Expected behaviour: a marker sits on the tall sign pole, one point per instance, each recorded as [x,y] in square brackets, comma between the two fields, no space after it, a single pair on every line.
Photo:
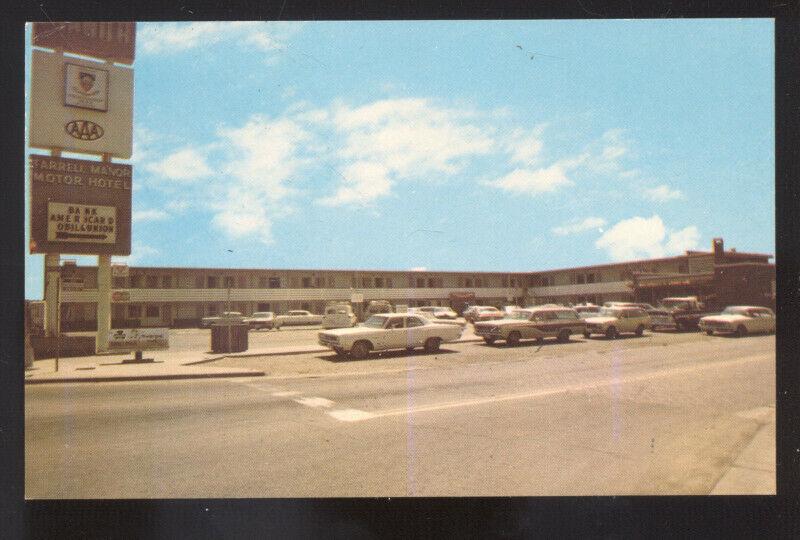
[84,106]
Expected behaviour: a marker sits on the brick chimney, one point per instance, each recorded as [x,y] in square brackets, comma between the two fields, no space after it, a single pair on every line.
[718,248]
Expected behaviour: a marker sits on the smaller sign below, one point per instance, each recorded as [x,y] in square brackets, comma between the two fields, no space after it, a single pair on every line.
[138,339]
[72,222]
[119,270]
[120,296]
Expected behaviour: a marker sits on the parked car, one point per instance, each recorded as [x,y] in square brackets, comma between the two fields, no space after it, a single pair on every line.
[482,313]
[587,310]
[508,310]
[263,320]
[532,323]
[613,321]
[439,312]
[377,306]
[681,313]
[339,316]
[739,320]
[227,316]
[297,317]
[389,331]
[428,315]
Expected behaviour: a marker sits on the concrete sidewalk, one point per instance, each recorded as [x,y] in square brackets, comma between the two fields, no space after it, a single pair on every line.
[167,365]
[753,470]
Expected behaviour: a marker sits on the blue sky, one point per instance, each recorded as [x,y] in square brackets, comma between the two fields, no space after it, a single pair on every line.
[447,145]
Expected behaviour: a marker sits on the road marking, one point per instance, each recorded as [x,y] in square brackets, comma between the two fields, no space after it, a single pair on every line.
[285,394]
[354,415]
[315,402]
[351,415]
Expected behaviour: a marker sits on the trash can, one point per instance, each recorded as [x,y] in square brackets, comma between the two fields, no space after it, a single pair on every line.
[228,338]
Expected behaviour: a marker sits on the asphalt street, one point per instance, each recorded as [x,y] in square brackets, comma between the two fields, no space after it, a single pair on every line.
[661,414]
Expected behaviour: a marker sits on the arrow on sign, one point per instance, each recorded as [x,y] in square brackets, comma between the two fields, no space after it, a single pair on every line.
[67,235]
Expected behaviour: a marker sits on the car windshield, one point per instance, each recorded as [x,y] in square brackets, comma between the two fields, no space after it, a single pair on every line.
[375,322]
[486,309]
[521,314]
[734,311]
[262,314]
[680,304]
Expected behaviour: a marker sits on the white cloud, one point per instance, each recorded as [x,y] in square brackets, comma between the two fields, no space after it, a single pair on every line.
[262,157]
[662,193]
[533,182]
[579,226]
[152,214]
[363,183]
[682,240]
[397,139]
[186,165]
[640,237]
[419,269]
[526,147]
[173,37]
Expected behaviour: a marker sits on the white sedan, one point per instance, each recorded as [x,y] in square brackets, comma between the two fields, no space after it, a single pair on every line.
[739,320]
[298,317]
[388,331]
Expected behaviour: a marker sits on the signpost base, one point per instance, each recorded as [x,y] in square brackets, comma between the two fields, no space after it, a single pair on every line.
[137,359]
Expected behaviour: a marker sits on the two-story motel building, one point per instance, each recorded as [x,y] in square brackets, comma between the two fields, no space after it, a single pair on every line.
[180,297]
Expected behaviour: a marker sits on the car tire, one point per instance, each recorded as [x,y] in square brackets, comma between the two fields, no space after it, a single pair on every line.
[432,344]
[741,331]
[563,336]
[410,349]
[709,332]
[489,340]
[611,332]
[639,330]
[339,351]
[513,338]
[360,349]
[586,334]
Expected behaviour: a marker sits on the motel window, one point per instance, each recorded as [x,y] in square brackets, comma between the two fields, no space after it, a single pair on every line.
[198,282]
[330,281]
[306,282]
[151,311]
[242,282]
[262,283]
[581,279]
[366,282]
[478,282]
[379,283]
[136,282]
[513,282]
[388,283]
[274,283]
[353,282]
[134,312]
[682,268]
[590,278]
[431,284]
[211,282]
[504,282]
[317,282]
[229,282]
[152,282]
[305,306]
[420,283]
[468,282]
[263,306]
[166,282]
[212,310]
[118,283]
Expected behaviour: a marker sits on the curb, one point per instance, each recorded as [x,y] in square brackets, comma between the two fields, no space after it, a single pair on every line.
[288,353]
[167,377]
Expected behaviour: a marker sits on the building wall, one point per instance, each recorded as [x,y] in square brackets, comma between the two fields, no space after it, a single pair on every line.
[182,296]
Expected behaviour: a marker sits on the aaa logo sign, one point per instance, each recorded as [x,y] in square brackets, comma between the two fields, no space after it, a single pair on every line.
[81,223]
